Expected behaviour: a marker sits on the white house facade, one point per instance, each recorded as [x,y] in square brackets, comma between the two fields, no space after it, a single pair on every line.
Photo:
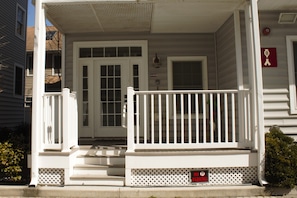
[166,93]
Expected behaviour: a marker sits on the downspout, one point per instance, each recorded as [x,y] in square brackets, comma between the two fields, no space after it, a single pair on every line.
[258,91]
[38,89]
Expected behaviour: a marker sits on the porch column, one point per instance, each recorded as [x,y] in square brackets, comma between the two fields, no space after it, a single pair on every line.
[255,73]
[38,89]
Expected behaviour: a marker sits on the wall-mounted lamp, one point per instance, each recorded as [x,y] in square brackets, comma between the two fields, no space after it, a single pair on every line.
[156,61]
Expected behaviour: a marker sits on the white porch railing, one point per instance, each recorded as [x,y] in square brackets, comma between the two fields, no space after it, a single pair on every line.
[188,119]
[60,121]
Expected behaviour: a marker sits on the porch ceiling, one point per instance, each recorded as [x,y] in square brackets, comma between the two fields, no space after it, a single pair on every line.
[152,16]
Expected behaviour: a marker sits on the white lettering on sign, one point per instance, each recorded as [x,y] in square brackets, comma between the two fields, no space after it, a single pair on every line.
[267,54]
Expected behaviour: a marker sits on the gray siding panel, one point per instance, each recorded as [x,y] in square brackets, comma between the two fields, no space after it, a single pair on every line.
[226,57]
[11,107]
[164,45]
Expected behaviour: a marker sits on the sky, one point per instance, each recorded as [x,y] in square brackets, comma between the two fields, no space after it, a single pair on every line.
[30,15]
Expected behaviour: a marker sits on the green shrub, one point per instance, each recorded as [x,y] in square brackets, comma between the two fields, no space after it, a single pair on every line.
[10,159]
[280,159]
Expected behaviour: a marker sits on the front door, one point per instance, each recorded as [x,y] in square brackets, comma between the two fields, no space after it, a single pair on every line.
[111,79]
[102,89]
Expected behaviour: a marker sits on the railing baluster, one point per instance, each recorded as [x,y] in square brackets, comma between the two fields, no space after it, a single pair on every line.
[211,117]
[182,123]
[160,117]
[226,117]
[174,119]
[167,119]
[189,119]
[197,117]
[204,117]
[60,118]
[233,119]
[145,118]
[137,119]
[218,122]
[152,120]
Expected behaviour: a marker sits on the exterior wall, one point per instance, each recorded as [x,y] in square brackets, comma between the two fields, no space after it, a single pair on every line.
[11,106]
[275,79]
[226,57]
[164,45]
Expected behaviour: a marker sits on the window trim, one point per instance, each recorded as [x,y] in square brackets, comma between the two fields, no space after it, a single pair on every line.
[14,81]
[18,6]
[170,61]
[291,73]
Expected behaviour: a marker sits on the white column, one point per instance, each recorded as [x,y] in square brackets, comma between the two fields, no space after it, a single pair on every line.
[38,89]
[258,90]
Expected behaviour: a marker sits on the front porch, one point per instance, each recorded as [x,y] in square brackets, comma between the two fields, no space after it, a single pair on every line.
[169,133]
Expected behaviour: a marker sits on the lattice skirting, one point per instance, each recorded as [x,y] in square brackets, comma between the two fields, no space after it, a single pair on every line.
[181,177]
[51,176]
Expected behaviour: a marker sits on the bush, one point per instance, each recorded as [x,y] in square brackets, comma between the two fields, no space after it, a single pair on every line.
[10,159]
[280,159]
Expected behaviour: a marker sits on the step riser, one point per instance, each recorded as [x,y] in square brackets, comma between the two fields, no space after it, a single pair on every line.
[97,183]
[94,152]
[100,160]
[106,172]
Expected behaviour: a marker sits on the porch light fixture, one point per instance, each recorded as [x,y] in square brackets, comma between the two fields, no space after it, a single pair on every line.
[156,61]
[287,18]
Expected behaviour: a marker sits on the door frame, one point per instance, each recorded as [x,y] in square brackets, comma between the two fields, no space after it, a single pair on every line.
[91,44]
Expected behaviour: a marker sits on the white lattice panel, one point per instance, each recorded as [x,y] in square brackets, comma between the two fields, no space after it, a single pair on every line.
[181,177]
[51,176]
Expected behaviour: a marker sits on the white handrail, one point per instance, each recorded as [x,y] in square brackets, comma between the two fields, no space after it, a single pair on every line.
[189,119]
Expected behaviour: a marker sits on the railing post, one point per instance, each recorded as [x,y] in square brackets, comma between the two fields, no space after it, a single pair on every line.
[130,119]
[65,119]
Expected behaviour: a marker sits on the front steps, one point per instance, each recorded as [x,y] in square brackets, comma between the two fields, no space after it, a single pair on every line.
[99,165]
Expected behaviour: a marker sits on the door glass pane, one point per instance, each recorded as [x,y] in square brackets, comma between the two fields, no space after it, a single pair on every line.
[135,51]
[110,52]
[98,52]
[123,51]
[85,96]
[85,52]
[111,95]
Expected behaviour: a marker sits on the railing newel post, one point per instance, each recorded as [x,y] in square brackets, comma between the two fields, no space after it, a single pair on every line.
[130,119]
[65,118]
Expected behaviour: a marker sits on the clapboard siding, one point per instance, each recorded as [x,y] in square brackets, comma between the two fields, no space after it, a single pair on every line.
[226,57]
[11,107]
[164,45]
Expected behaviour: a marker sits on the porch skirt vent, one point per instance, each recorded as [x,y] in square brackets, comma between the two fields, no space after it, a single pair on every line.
[51,176]
[181,177]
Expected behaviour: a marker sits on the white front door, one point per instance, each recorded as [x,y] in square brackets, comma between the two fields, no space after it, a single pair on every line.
[102,72]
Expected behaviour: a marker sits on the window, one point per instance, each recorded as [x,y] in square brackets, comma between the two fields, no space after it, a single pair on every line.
[187,73]
[50,35]
[292,71]
[18,80]
[56,69]
[20,22]
[28,101]
[29,65]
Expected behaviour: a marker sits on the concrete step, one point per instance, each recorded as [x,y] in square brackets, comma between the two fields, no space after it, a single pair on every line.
[97,180]
[102,150]
[99,170]
[103,160]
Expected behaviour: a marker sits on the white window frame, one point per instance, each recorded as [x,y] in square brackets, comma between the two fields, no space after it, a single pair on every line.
[27,69]
[291,73]
[172,59]
[21,36]
[14,81]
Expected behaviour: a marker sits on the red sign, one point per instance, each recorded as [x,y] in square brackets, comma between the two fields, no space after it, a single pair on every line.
[268,57]
[199,176]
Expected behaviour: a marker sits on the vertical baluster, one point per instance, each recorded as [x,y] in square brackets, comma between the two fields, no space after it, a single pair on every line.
[204,117]
[152,120]
[52,118]
[160,118]
[211,117]
[248,107]
[182,117]
[137,118]
[189,119]
[174,119]
[197,117]
[226,116]
[218,122]
[167,119]
[60,118]
[233,119]
[145,118]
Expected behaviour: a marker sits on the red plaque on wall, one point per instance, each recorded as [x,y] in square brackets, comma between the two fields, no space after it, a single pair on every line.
[268,57]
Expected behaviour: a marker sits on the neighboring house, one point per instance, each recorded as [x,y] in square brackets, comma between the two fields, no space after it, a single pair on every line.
[190,86]
[52,65]
[13,22]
